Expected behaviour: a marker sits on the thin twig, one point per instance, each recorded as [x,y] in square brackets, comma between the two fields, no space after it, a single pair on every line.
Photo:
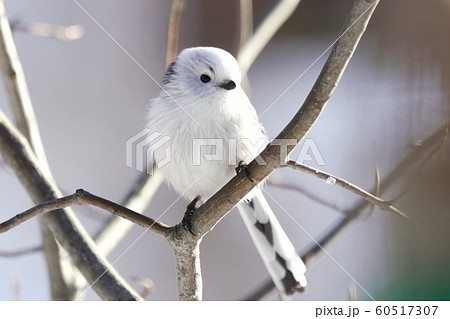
[86,198]
[81,197]
[245,22]
[439,138]
[45,30]
[377,189]
[302,191]
[174,28]
[334,180]
[20,252]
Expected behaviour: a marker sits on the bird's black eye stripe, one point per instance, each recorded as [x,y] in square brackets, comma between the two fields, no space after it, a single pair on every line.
[205,78]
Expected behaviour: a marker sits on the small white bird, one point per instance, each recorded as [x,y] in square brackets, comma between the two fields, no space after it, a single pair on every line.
[213,128]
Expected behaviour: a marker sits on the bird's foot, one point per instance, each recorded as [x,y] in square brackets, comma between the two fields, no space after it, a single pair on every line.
[242,168]
[187,219]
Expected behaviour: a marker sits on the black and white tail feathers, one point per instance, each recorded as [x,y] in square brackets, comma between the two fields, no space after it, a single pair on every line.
[279,255]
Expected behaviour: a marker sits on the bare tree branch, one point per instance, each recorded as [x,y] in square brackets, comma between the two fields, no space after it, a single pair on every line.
[20,252]
[210,213]
[66,228]
[174,27]
[334,180]
[302,191]
[148,285]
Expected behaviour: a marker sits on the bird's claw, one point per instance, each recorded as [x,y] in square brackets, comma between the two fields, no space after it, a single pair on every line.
[242,168]
[187,218]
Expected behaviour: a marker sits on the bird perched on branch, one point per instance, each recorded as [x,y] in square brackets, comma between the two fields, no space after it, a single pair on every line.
[211,131]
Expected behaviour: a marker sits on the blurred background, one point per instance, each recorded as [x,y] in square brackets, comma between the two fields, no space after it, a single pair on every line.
[90,97]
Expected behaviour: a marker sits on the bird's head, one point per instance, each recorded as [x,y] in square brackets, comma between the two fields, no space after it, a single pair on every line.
[202,72]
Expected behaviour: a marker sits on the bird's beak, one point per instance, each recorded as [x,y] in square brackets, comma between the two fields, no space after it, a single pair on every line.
[229,85]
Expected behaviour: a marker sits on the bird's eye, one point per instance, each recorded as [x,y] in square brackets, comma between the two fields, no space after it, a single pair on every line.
[205,78]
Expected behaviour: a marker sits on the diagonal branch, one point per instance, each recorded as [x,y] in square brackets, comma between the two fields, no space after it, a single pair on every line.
[45,30]
[82,197]
[334,180]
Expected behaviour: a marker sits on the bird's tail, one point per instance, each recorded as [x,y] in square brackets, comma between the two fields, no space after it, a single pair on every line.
[280,258]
